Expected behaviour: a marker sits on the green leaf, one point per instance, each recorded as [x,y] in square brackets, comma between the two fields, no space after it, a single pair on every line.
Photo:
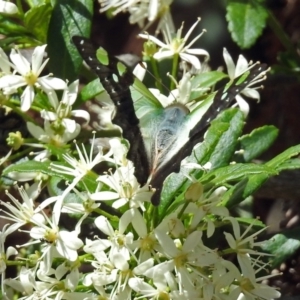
[142,96]
[282,246]
[10,28]
[37,21]
[28,167]
[228,140]
[277,161]
[290,164]
[69,18]
[237,172]
[90,91]
[208,79]
[244,188]
[217,148]
[258,141]
[246,20]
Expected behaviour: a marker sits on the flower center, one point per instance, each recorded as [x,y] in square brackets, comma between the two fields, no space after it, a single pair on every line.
[180,260]
[246,284]
[176,43]
[51,236]
[147,244]
[30,78]
[127,190]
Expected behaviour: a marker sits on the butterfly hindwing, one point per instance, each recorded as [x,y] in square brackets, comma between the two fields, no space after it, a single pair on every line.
[221,101]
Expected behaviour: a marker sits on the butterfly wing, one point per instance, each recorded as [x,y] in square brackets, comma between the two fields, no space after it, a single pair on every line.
[119,93]
[222,100]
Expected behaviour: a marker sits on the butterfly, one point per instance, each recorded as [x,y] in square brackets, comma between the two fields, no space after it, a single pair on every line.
[170,141]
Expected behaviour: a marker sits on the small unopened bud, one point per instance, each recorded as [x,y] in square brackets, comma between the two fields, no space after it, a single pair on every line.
[15,140]
[149,49]
[194,192]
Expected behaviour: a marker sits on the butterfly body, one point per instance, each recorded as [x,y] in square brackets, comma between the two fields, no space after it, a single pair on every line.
[171,136]
[167,133]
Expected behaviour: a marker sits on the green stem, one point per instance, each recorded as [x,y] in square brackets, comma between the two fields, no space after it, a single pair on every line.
[25,116]
[174,70]
[107,215]
[20,154]
[156,73]
[20,8]
[183,209]
[282,36]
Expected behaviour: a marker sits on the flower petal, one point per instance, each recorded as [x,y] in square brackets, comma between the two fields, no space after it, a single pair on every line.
[27,98]
[22,65]
[8,8]
[37,58]
[48,83]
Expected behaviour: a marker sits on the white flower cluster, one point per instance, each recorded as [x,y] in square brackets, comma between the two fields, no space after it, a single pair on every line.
[140,11]
[58,127]
[134,259]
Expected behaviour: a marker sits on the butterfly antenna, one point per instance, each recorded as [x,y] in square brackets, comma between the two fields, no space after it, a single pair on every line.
[141,63]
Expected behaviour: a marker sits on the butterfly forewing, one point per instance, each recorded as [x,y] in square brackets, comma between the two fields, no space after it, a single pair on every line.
[119,92]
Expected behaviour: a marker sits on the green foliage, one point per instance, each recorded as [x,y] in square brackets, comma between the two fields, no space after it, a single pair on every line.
[282,246]
[69,18]
[246,20]
[258,141]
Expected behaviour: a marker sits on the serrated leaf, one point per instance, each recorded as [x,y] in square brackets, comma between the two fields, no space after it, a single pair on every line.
[282,246]
[258,141]
[37,21]
[291,164]
[69,18]
[246,20]
[227,142]
[283,157]
[244,188]
[238,172]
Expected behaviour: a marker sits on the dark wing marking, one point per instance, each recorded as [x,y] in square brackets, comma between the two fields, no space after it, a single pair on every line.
[221,101]
[119,92]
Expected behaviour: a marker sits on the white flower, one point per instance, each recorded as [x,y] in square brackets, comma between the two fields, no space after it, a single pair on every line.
[234,71]
[64,242]
[206,206]
[245,288]
[8,8]
[146,244]
[49,136]
[80,167]
[118,240]
[85,207]
[177,45]
[183,258]
[244,246]
[22,213]
[126,188]
[6,230]
[29,76]
[63,109]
